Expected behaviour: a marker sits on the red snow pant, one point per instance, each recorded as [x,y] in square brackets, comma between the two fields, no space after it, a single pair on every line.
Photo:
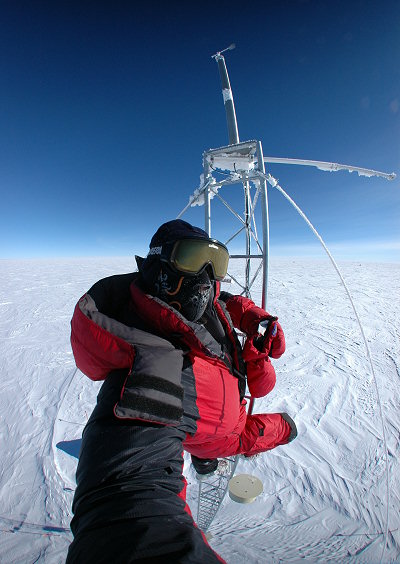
[254,434]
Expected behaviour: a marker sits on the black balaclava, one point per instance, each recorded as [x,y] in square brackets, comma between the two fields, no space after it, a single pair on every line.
[187,294]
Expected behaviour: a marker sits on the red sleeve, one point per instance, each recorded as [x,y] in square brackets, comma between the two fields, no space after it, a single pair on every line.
[261,376]
[97,351]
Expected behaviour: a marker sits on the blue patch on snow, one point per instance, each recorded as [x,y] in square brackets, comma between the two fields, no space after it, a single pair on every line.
[70,447]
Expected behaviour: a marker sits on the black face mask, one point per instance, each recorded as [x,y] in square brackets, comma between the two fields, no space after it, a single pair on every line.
[187,294]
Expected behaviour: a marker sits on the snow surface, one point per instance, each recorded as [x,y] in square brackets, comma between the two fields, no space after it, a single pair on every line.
[325,497]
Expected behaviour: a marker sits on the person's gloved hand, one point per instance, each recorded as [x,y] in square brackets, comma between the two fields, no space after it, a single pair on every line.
[271,339]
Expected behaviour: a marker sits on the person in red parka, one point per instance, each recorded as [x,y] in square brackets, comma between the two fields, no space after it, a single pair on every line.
[164,341]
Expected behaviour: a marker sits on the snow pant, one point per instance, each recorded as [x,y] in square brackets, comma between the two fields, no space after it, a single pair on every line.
[263,432]
[254,434]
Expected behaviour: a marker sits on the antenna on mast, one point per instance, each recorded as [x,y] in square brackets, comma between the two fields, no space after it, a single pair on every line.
[233,133]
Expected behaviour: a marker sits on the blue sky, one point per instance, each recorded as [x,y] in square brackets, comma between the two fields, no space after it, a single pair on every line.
[106,109]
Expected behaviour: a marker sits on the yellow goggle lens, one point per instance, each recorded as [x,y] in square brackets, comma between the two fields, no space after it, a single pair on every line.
[192,255]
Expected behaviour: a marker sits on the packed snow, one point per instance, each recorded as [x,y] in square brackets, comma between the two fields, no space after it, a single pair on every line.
[325,495]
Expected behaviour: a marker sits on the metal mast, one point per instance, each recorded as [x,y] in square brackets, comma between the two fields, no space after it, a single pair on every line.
[236,163]
[237,160]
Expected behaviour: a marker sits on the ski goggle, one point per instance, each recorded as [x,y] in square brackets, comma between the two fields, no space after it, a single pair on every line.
[191,256]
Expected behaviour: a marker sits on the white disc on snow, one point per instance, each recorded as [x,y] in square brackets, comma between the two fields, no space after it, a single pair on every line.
[244,488]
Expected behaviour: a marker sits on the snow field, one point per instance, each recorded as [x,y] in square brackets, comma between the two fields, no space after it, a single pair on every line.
[324,497]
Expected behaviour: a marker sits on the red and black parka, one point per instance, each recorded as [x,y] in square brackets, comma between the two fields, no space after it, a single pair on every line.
[168,384]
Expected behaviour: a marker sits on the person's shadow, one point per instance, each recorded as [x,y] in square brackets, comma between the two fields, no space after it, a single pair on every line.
[70,447]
